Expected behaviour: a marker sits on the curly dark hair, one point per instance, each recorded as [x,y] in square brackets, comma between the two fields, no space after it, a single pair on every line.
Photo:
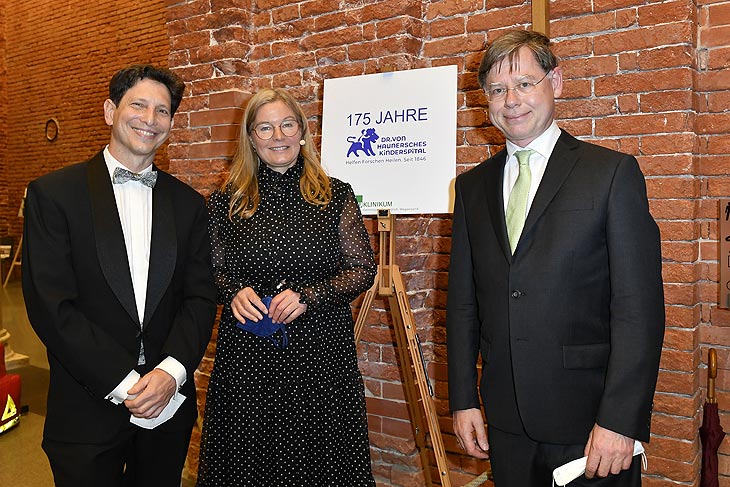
[127,77]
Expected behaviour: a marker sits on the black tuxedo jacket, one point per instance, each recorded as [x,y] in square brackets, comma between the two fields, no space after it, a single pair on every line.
[570,327]
[80,301]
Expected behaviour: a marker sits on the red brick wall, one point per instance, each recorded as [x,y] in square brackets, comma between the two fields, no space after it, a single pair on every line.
[645,77]
[712,127]
[649,78]
[59,57]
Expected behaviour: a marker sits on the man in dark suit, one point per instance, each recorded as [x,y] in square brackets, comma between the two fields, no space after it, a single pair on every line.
[118,285]
[555,277]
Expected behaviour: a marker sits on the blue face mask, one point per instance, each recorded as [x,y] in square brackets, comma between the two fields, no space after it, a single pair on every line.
[265,328]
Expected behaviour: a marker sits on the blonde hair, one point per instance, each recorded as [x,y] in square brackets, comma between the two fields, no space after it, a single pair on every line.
[242,183]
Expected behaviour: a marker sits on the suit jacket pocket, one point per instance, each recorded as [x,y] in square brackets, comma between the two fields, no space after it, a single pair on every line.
[588,356]
[570,204]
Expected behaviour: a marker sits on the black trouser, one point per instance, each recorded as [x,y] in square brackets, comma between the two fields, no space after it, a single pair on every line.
[136,458]
[518,461]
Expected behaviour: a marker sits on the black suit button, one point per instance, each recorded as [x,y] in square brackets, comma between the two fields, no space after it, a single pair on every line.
[516,294]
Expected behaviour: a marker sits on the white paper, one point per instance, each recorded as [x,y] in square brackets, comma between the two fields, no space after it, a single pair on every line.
[166,414]
[572,470]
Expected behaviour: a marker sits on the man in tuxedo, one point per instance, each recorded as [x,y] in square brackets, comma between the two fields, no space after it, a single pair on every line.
[118,285]
[555,277]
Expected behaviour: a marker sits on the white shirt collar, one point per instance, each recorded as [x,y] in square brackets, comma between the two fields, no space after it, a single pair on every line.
[543,144]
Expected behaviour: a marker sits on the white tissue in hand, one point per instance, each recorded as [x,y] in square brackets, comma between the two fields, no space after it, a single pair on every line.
[572,470]
[166,414]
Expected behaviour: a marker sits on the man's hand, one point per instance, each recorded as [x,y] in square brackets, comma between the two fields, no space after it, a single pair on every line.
[470,432]
[608,452]
[151,393]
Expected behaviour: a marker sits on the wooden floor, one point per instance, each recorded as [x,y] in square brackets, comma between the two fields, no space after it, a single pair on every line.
[22,461]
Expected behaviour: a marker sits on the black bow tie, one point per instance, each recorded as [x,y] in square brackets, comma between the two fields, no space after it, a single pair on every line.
[122,175]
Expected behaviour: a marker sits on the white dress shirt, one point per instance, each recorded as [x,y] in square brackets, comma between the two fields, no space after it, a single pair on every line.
[134,204]
[543,147]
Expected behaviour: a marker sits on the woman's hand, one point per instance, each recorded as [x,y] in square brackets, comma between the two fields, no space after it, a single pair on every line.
[247,306]
[285,307]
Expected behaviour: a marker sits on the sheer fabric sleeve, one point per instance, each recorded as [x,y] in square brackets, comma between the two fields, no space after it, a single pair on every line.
[357,267]
[218,212]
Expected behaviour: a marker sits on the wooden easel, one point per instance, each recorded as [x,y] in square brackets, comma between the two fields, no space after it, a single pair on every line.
[17,255]
[15,262]
[389,283]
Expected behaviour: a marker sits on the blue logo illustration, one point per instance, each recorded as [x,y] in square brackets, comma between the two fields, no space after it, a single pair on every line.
[363,142]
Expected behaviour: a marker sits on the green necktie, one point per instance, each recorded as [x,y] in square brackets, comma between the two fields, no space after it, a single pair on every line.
[517,203]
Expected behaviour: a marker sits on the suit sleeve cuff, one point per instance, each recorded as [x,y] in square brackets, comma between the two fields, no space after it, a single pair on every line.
[119,394]
[175,369]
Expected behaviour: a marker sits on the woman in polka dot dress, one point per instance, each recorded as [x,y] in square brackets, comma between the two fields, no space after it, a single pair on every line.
[281,227]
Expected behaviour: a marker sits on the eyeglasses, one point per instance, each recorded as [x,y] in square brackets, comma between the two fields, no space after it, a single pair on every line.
[265,131]
[523,88]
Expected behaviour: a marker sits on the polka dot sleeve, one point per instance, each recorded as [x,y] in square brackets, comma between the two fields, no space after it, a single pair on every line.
[218,215]
[357,264]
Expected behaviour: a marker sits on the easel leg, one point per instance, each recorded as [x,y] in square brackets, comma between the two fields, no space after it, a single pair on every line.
[367,302]
[409,386]
[16,261]
[389,282]
[409,351]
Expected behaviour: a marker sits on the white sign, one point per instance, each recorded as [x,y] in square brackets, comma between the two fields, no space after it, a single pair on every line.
[392,136]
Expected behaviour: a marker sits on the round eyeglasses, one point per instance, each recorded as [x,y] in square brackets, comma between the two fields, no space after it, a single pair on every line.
[265,131]
[498,92]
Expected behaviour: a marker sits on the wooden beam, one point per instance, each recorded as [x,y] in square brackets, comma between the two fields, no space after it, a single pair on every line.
[541,16]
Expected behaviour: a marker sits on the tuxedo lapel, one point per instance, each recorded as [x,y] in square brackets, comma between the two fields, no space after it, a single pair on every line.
[495,201]
[109,237]
[163,247]
[559,166]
